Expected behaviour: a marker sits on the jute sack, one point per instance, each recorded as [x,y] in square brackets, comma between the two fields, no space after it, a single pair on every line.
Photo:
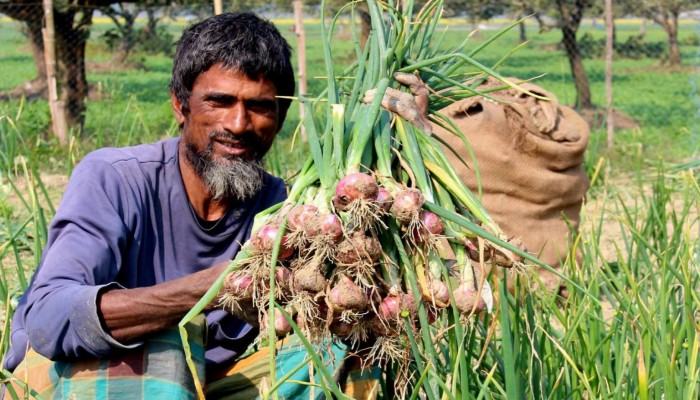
[529,154]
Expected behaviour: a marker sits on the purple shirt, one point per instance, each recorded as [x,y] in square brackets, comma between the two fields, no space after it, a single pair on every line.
[125,221]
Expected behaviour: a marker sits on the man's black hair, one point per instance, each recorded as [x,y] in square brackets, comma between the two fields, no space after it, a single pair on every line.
[242,41]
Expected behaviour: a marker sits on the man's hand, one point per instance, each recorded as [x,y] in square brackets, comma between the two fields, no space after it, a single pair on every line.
[130,314]
[412,107]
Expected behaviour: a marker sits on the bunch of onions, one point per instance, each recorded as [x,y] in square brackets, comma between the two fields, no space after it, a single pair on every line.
[375,203]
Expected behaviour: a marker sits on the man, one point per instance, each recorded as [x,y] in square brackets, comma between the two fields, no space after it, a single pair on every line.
[143,232]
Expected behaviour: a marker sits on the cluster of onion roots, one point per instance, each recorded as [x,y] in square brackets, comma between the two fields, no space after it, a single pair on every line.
[333,276]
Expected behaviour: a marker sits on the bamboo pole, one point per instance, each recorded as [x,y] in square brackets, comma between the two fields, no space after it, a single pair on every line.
[218,7]
[301,57]
[610,121]
[56,107]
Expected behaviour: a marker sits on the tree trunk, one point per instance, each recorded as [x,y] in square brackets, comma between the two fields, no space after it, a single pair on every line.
[668,19]
[151,27]
[71,41]
[128,41]
[523,29]
[571,15]
[583,90]
[32,18]
[124,20]
[674,51]
[36,41]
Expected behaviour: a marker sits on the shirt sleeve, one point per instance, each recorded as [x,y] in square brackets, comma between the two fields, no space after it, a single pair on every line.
[82,258]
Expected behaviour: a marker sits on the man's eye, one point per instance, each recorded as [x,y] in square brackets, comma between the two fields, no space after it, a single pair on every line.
[221,102]
[262,107]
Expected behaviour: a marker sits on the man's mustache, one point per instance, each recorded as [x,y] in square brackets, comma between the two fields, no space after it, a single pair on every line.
[248,139]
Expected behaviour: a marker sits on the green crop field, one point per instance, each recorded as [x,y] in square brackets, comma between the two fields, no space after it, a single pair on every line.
[638,336]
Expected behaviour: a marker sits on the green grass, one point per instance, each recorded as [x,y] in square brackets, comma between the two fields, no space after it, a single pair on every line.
[639,339]
[132,106]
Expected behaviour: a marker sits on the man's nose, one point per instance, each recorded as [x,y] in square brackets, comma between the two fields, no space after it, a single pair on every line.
[236,120]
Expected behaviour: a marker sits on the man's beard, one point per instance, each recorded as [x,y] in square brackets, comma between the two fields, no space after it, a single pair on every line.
[233,179]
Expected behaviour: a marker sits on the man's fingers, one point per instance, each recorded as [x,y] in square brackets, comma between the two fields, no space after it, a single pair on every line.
[403,104]
[413,82]
[369,96]
[417,87]
[393,99]
[407,79]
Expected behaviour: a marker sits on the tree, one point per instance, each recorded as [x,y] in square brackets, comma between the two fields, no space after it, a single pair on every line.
[477,10]
[31,15]
[124,19]
[73,21]
[664,13]
[123,38]
[522,9]
[570,16]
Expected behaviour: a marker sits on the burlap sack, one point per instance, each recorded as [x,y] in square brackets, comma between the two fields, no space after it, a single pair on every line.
[530,156]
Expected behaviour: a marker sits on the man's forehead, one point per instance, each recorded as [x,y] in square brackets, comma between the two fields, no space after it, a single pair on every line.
[219,77]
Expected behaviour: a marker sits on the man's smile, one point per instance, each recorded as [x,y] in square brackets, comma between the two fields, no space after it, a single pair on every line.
[231,145]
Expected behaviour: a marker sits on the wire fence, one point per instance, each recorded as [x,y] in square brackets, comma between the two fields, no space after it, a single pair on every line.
[122,55]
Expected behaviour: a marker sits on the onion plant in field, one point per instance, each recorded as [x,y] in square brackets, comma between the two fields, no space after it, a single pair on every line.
[25,211]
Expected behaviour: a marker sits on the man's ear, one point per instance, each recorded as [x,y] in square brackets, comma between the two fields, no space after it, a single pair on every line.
[177,109]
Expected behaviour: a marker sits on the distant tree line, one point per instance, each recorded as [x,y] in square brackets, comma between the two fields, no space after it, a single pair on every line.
[73,21]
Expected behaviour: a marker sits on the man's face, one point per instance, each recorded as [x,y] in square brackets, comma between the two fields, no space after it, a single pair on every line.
[231,123]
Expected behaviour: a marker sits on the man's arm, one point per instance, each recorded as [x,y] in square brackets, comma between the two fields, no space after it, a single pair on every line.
[74,307]
[130,314]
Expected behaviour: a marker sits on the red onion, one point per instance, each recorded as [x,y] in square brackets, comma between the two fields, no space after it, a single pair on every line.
[380,328]
[406,205]
[358,248]
[309,279]
[340,328]
[393,307]
[246,311]
[353,187]
[440,291]
[264,240]
[390,309]
[384,199]
[408,304]
[283,277]
[328,225]
[346,295]
[239,284]
[430,224]
[466,297]
[299,216]
[281,325]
